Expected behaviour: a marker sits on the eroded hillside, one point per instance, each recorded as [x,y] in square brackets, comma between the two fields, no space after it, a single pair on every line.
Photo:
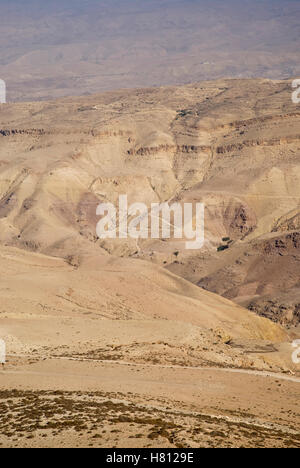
[129,342]
[233,145]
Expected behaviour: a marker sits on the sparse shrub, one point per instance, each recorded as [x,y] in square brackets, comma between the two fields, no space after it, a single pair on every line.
[222,247]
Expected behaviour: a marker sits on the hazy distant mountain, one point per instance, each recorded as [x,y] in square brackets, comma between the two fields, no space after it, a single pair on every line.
[55,48]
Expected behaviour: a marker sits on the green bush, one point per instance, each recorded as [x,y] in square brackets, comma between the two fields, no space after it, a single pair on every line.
[222,247]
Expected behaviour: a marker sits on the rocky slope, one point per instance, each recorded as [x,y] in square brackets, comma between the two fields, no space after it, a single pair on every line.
[140,342]
[232,144]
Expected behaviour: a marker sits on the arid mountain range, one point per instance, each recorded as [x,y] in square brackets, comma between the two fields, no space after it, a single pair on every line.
[123,342]
[56,48]
[233,145]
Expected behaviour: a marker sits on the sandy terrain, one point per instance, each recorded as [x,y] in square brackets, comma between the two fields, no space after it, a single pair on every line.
[144,343]
[105,405]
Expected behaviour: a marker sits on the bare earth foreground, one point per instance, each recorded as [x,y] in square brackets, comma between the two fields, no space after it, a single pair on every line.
[119,343]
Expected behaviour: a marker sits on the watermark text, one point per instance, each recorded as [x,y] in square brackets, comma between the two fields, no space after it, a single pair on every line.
[296,93]
[296,353]
[2,352]
[2,92]
[162,220]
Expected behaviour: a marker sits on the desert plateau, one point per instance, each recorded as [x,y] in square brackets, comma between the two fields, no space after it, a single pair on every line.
[141,342]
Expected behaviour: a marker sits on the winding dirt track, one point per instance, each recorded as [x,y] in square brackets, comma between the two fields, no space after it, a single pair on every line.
[161,366]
